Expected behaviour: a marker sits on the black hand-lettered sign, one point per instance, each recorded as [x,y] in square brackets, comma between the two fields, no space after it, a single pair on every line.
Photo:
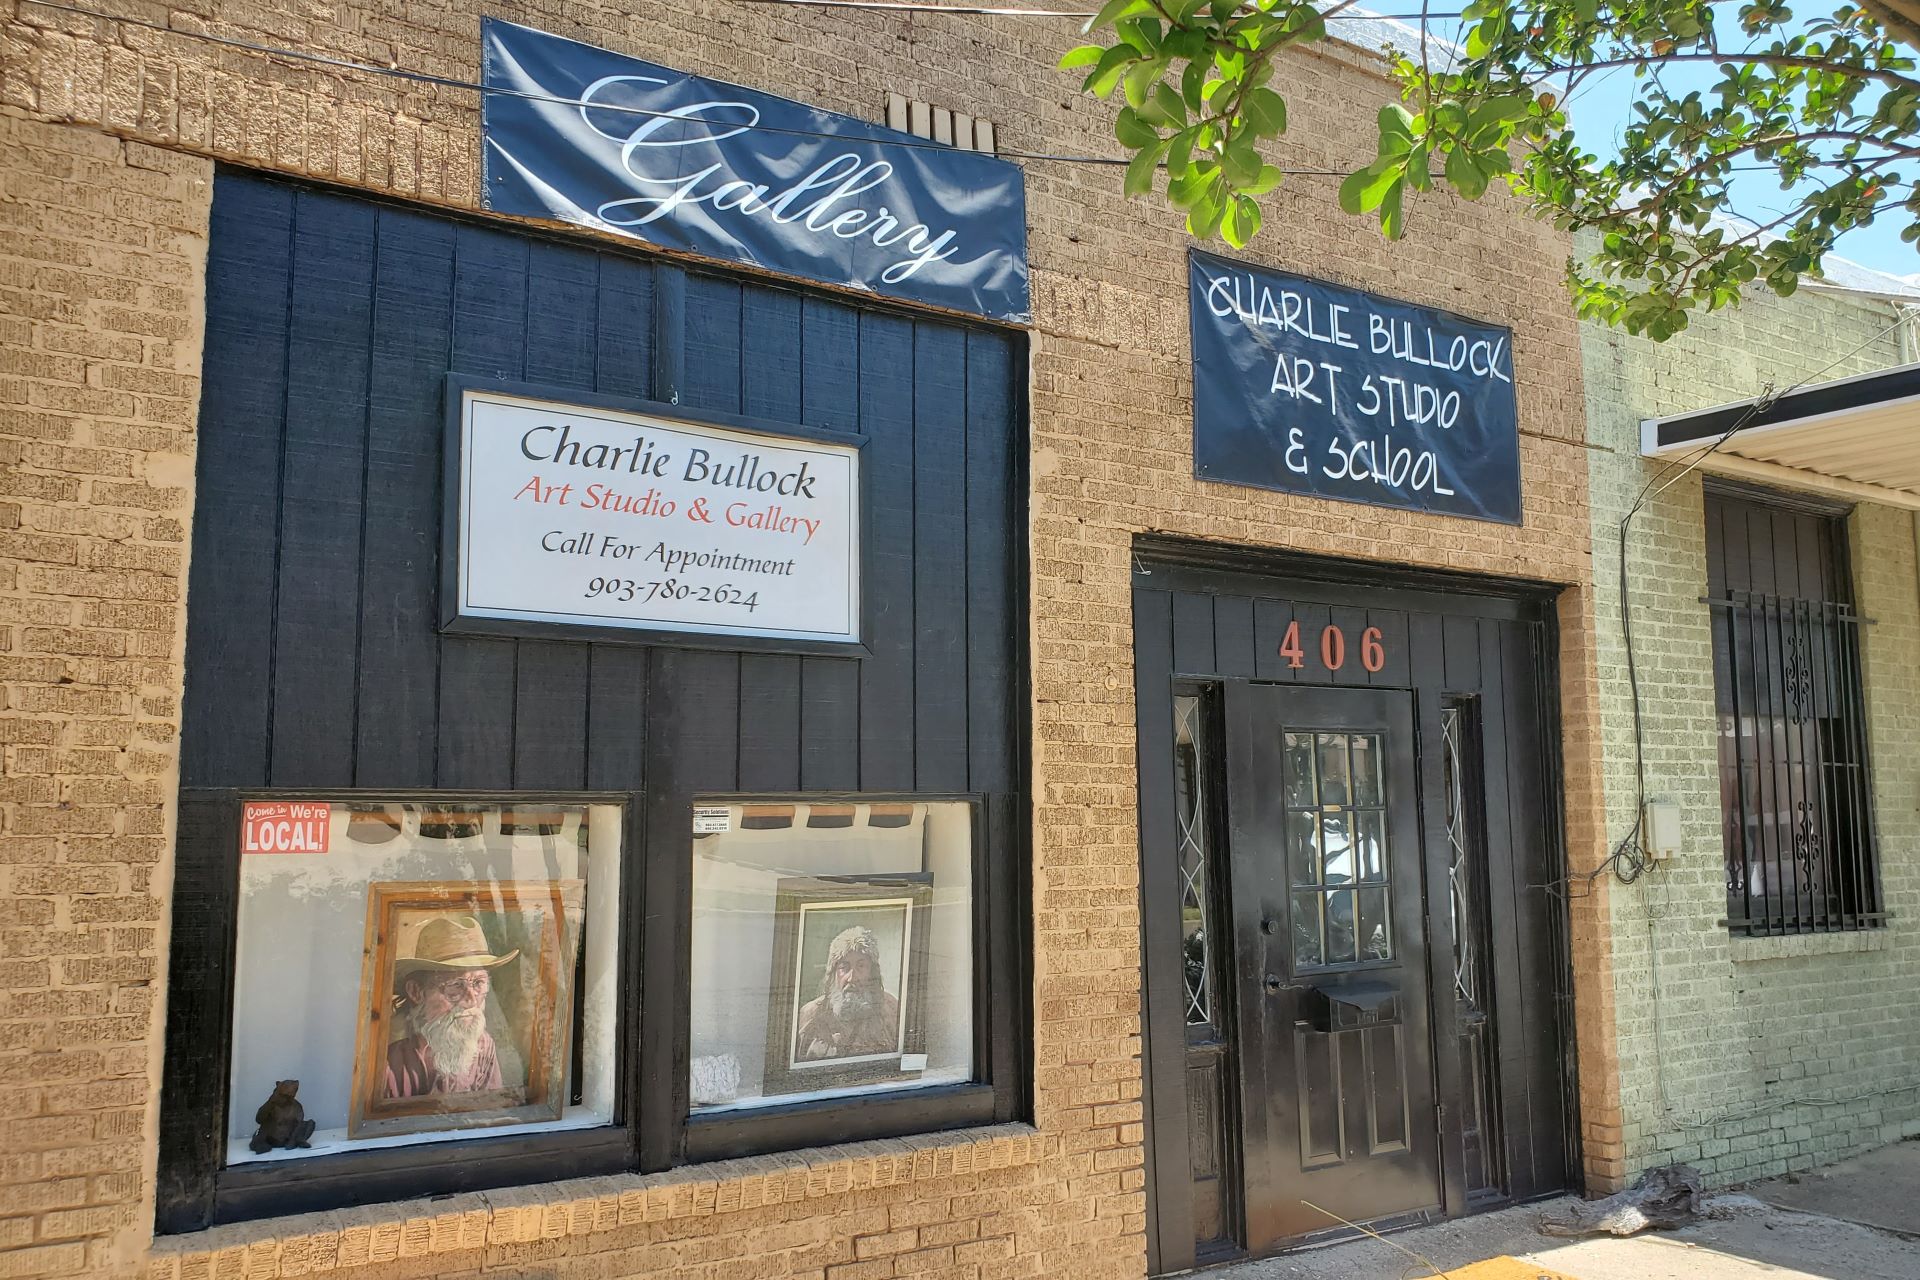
[601,140]
[1307,387]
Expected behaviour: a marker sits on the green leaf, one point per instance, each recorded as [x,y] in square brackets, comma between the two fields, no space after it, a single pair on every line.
[1193,85]
[1269,178]
[1172,107]
[1114,10]
[1179,150]
[1364,190]
[1466,176]
[1241,163]
[1203,219]
[1082,56]
[1242,222]
[1417,172]
[1140,170]
[1140,79]
[1113,62]
[1506,109]
[1132,131]
[1265,112]
[1392,216]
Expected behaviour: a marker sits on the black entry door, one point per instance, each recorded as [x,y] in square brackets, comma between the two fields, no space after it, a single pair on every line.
[1330,959]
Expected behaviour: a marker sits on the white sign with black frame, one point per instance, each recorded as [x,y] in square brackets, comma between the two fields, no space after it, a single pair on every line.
[578,515]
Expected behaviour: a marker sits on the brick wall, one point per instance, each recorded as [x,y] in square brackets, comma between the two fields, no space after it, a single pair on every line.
[1747,1057]
[102,257]
[1110,423]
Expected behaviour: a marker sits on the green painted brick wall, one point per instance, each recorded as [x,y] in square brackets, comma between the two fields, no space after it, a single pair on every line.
[1748,1057]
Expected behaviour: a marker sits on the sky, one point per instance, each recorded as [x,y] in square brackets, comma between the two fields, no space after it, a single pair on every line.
[1600,108]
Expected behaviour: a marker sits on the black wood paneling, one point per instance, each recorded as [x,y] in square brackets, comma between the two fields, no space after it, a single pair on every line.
[315,659]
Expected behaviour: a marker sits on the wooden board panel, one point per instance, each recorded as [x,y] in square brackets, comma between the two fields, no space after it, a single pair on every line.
[399,649]
[550,716]
[562,345]
[940,589]
[323,469]
[770,368]
[830,365]
[887,678]
[623,357]
[713,345]
[233,575]
[992,620]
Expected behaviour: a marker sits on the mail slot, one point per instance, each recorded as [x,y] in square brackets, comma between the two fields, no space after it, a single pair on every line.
[1349,1006]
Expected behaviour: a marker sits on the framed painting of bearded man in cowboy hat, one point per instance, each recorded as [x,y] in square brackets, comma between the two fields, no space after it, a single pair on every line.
[849,981]
[467,1005]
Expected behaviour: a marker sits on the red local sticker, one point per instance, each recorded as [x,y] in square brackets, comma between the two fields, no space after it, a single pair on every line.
[285,826]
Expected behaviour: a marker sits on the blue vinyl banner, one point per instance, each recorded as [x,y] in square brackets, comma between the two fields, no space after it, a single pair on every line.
[1306,387]
[594,138]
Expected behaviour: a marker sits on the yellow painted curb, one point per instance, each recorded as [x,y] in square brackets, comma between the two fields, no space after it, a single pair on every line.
[1505,1268]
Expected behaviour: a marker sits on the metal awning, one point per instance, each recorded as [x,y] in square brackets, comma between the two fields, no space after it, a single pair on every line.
[1855,437]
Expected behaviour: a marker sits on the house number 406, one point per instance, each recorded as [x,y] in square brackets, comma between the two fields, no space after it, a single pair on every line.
[1333,648]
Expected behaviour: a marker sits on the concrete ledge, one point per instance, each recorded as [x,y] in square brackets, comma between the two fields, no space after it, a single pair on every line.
[315,1243]
[1807,944]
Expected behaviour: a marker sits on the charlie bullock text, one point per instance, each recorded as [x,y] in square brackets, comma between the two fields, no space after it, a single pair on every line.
[746,471]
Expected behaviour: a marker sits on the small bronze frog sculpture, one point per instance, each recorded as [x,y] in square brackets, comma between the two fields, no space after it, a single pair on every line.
[283,1121]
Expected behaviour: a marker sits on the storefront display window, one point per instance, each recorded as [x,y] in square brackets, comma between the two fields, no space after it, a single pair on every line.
[410,972]
[832,950]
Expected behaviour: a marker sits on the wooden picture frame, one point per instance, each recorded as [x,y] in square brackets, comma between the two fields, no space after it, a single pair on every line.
[811,915]
[530,933]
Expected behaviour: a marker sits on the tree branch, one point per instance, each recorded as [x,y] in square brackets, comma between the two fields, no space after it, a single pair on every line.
[1892,79]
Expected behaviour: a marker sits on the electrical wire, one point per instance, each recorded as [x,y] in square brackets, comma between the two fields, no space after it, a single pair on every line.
[450,82]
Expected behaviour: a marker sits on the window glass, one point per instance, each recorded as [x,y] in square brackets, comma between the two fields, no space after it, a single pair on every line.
[415,972]
[832,950]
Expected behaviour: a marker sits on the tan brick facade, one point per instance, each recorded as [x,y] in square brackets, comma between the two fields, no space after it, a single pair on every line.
[108,133]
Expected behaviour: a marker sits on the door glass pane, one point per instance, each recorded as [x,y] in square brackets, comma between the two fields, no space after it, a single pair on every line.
[1303,846]
[1366,768]
[1340,928]
[1190,782]
[1297,766]
[1337,845]
[1307,951]
[1376,931]
[1333,768]
[1370,841]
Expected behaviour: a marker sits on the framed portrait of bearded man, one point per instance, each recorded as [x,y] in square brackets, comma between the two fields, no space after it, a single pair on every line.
[466,1005]
[849,981]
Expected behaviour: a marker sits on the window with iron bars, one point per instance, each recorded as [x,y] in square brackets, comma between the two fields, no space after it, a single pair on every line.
[1795,795]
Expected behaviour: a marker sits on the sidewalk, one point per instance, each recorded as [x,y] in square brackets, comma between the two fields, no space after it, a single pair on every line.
[1857,1220]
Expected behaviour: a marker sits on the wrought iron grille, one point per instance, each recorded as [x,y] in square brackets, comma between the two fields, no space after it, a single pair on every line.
[1796,808]
[1190,817]
[1461,794]
[1795,798]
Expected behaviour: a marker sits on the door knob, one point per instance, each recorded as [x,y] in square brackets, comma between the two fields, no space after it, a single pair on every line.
[1269,926]
[1274,985]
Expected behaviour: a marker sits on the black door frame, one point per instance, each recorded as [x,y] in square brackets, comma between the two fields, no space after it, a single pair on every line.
[1165,645]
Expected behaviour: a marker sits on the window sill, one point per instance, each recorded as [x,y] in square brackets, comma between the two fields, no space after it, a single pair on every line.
[1807,944]
[475,1220]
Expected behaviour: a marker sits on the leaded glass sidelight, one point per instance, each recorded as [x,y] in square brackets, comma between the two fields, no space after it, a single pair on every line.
[1460,791]
[1336,823]
[1190,783]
